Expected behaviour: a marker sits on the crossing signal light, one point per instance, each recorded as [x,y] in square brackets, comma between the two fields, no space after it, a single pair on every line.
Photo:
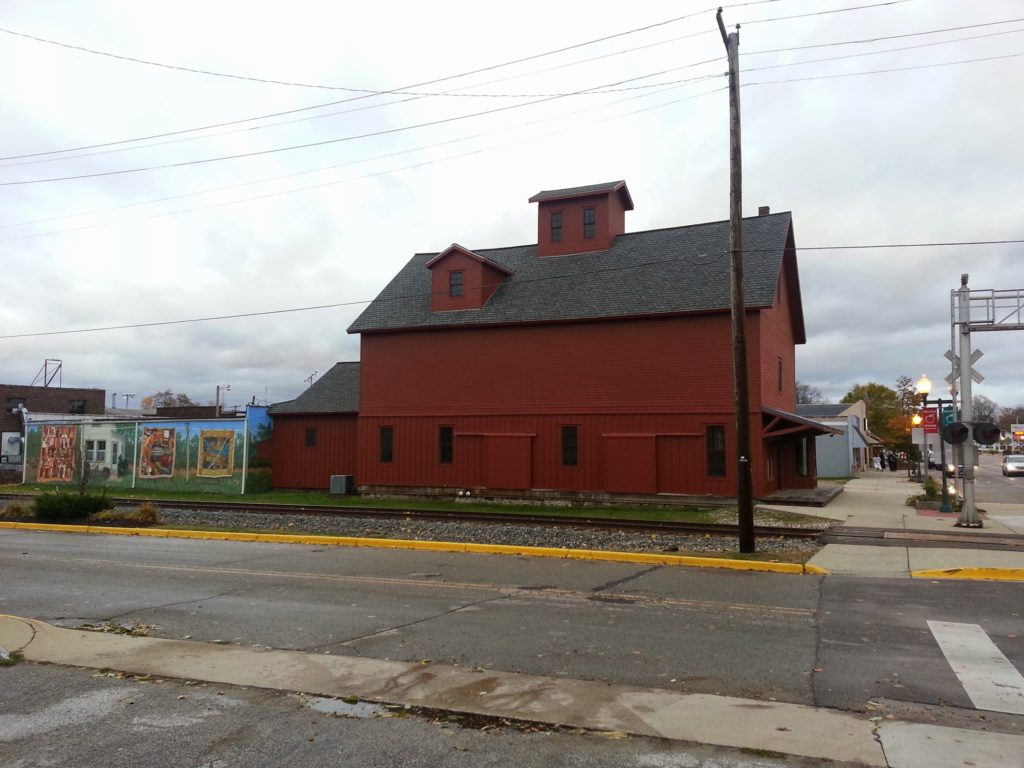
[986,434]
[956,433]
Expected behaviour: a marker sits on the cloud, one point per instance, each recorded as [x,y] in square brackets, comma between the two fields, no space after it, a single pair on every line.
[928,155]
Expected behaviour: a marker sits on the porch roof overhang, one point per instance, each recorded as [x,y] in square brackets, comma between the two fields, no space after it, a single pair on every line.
[785,424]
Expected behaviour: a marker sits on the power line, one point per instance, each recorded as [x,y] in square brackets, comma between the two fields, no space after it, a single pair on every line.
[881,38]
[276,194]
[596,91]
[417,85]
[367,93]
[495,110]
[46,158]
[884,71]
[339,165]
[379,91]
[883,50]
[324,142]
[723,254]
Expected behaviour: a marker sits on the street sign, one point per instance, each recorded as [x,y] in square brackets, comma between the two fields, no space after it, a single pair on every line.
[930,420]
[948,414]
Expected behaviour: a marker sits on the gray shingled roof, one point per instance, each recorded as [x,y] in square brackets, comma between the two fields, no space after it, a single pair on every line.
[683,269]
[337,391]
[821,410]
[608,186]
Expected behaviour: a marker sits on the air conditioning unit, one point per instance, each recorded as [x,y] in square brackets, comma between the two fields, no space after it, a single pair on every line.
[342,485]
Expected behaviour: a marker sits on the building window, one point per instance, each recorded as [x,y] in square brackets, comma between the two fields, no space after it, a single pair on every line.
[780,374]
[101,451]
[90,450]
[570,446]
[114,448]
[77,406]
[556,227]
[445,444]
[311,437]
[589,223]
[14,403]
[802,467]
[387,437]
[716,450]
[454,284]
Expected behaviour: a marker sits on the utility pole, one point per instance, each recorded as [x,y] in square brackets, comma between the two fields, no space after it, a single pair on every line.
[741,384]
[968,517]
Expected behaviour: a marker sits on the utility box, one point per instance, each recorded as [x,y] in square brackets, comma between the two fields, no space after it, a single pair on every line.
[342,485]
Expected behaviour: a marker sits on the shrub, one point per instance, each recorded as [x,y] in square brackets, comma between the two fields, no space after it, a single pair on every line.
[142,516]
[15,511]
[931,488]
[69,506]
[258,481]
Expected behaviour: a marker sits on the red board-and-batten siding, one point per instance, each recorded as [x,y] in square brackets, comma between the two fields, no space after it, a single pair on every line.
[296,465]
[642,392]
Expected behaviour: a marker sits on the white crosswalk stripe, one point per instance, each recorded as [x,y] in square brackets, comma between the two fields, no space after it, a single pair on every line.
[989,678]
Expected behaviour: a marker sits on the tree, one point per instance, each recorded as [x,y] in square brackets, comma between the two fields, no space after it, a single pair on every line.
[805,394]
[165,399]
[985,409]
[1008,416]
[906,395]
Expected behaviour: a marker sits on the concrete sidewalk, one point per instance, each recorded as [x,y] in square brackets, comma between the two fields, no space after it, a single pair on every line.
[878,500]
[723,721]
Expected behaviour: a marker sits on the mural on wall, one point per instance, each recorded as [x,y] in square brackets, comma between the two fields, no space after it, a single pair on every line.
[216,453]
[57,456]
[156,456]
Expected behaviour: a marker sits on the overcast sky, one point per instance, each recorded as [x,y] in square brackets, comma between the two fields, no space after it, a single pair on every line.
[922,154]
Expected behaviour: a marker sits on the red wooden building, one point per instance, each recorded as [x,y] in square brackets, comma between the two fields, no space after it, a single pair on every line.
[593,362]
[315,434]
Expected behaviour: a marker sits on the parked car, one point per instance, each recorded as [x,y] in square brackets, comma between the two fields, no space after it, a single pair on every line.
[1013,465]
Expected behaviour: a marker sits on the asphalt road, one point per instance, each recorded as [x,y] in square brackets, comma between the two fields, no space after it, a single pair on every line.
[991,486]
[836,641]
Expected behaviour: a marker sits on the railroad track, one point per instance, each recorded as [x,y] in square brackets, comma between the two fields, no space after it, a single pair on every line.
[647,526]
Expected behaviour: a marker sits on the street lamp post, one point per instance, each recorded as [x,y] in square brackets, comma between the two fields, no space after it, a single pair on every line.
[924,388]
[916,420]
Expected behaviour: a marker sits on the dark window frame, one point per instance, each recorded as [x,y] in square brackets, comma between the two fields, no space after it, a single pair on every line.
[714,448]
[589,223]
[456,283]
[570,435]
[311,437]
[13,403]
[556,226]
[780,374]
[76,406]
[446,444]
[386,440]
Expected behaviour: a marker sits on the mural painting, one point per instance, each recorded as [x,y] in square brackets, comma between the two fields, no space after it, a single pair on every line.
[156,457]
[216,453]
[57,457]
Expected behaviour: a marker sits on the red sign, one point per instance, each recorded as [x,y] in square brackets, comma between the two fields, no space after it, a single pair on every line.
[930,421]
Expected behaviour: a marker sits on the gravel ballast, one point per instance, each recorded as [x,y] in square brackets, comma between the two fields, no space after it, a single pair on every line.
[482,533]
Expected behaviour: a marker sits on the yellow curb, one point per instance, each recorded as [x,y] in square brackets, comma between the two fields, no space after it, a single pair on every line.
[436,546]
[988,574]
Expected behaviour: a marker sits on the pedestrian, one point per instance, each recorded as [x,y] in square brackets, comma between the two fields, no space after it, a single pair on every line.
[892,461]
[877,462]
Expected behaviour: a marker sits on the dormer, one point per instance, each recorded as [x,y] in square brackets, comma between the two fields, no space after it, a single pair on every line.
[461,279]
[581,219]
